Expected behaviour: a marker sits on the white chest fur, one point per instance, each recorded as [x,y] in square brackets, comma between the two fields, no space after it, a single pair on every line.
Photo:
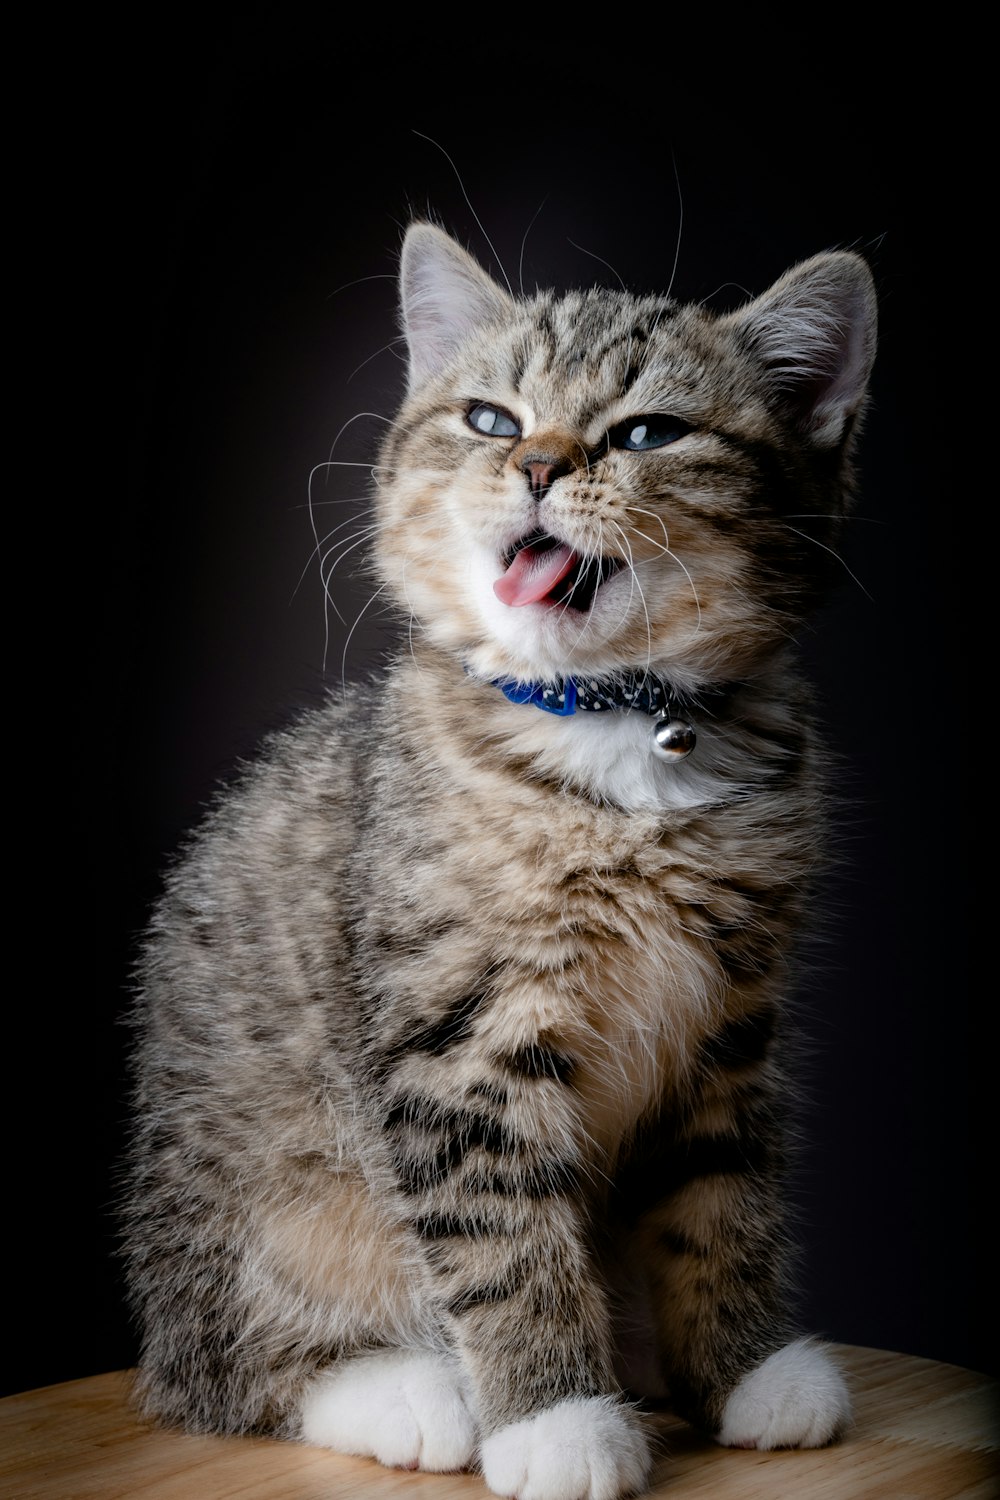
[610,756]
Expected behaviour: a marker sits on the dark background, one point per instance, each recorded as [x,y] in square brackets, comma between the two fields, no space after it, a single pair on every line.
[226,206]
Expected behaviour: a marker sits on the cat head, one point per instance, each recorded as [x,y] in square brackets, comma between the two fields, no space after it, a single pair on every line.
[600,481]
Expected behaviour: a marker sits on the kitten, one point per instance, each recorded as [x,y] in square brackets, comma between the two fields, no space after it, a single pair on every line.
[459,1048]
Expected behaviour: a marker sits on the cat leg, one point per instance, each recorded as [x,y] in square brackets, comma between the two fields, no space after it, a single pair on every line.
[715,1251]
[492,1186]
[407,1408]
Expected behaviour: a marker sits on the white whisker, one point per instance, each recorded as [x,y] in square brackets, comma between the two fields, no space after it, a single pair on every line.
[811,515]
[468,201]
[524,241]
[680,222]
[321,542]
[343,660]
[328,600]
[668,552]
[345,546]
[807,538]
[386,348]
[583,251]
[376,416]
[360,280]
[635,584]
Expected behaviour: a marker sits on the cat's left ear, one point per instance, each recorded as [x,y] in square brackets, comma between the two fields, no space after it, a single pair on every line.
[445,296]
[814,331]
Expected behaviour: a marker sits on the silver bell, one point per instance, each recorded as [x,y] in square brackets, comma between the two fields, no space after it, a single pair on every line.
[673,739]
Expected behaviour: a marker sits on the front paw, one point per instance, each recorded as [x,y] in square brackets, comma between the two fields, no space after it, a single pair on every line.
[404,1407]
[796,1399]
[587,1448]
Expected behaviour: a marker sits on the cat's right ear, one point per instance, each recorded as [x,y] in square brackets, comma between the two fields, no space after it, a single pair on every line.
[445,296]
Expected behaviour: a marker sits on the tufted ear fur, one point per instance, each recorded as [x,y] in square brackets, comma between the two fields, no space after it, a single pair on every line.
[814,332]
[445,295]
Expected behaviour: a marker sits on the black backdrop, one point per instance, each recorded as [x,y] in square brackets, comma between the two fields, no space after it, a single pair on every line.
[226,209]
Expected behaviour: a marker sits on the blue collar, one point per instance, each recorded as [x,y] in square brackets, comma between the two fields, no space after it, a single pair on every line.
[672,737]
[570,695]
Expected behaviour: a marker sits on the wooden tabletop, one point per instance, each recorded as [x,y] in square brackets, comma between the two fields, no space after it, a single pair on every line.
[922,1431]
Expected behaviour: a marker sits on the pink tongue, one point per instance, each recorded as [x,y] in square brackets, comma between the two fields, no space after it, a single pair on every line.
[533,574]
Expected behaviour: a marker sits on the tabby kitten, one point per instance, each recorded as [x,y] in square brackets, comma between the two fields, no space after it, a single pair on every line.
[459,1049]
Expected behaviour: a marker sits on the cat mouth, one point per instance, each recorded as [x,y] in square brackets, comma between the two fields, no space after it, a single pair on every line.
[539,569]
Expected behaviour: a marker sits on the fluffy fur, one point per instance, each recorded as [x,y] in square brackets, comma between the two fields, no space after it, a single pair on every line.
[460,1088]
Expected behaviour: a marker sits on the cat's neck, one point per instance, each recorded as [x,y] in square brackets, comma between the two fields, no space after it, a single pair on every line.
[607,756]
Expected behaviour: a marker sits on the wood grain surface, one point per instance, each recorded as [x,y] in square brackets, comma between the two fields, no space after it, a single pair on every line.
[922,1431]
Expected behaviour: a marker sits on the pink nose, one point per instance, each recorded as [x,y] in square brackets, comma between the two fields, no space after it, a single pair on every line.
[542,473]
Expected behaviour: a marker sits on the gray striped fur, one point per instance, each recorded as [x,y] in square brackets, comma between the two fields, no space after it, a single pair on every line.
[460,1026]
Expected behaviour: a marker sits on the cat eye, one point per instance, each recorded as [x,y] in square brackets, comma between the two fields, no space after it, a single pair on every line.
[654,431]
[492,421]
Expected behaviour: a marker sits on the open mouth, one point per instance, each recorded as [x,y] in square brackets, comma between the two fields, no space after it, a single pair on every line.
[539,569]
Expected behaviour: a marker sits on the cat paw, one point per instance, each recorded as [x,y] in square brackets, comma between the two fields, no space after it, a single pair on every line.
[587,1448]
[404,1407]
[796,1399]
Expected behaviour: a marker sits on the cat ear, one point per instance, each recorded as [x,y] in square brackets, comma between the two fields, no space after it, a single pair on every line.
[445,296]
[815,333]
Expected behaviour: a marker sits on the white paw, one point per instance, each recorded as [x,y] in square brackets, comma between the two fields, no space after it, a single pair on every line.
[588,1448]
[404,1407]
[796,1399]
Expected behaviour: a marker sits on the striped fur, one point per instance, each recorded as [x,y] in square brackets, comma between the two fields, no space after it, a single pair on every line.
[460,1042]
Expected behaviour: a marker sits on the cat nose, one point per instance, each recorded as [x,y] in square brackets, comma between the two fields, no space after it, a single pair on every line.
[543,469]
[544,456]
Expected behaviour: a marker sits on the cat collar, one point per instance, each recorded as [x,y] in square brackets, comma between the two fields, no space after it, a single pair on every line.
[672,736]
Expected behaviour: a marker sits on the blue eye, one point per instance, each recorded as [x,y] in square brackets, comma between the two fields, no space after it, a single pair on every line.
[492,421]
[654,431]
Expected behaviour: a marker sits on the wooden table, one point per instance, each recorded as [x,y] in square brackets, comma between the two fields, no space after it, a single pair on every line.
[923,1431]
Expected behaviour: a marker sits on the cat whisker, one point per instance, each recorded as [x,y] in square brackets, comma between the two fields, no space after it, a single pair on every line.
[640,510]
[374,470]
[343,463]
[320,543]
[744,292]
[343,548]
[390,347]
[813,515]
[587,557]
[784,620]
[633,585]
[351,543]
[328,600]
[375,415]
[348,520]
[317,544]
[468,201]
[600,258]
[668,552]
[807,538]
[359,281]
[350,635]
[411,621]
[328,464]
[441,528]
[524,241]
[680,223]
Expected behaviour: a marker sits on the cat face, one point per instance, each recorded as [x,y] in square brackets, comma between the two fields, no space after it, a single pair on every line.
[598,481]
